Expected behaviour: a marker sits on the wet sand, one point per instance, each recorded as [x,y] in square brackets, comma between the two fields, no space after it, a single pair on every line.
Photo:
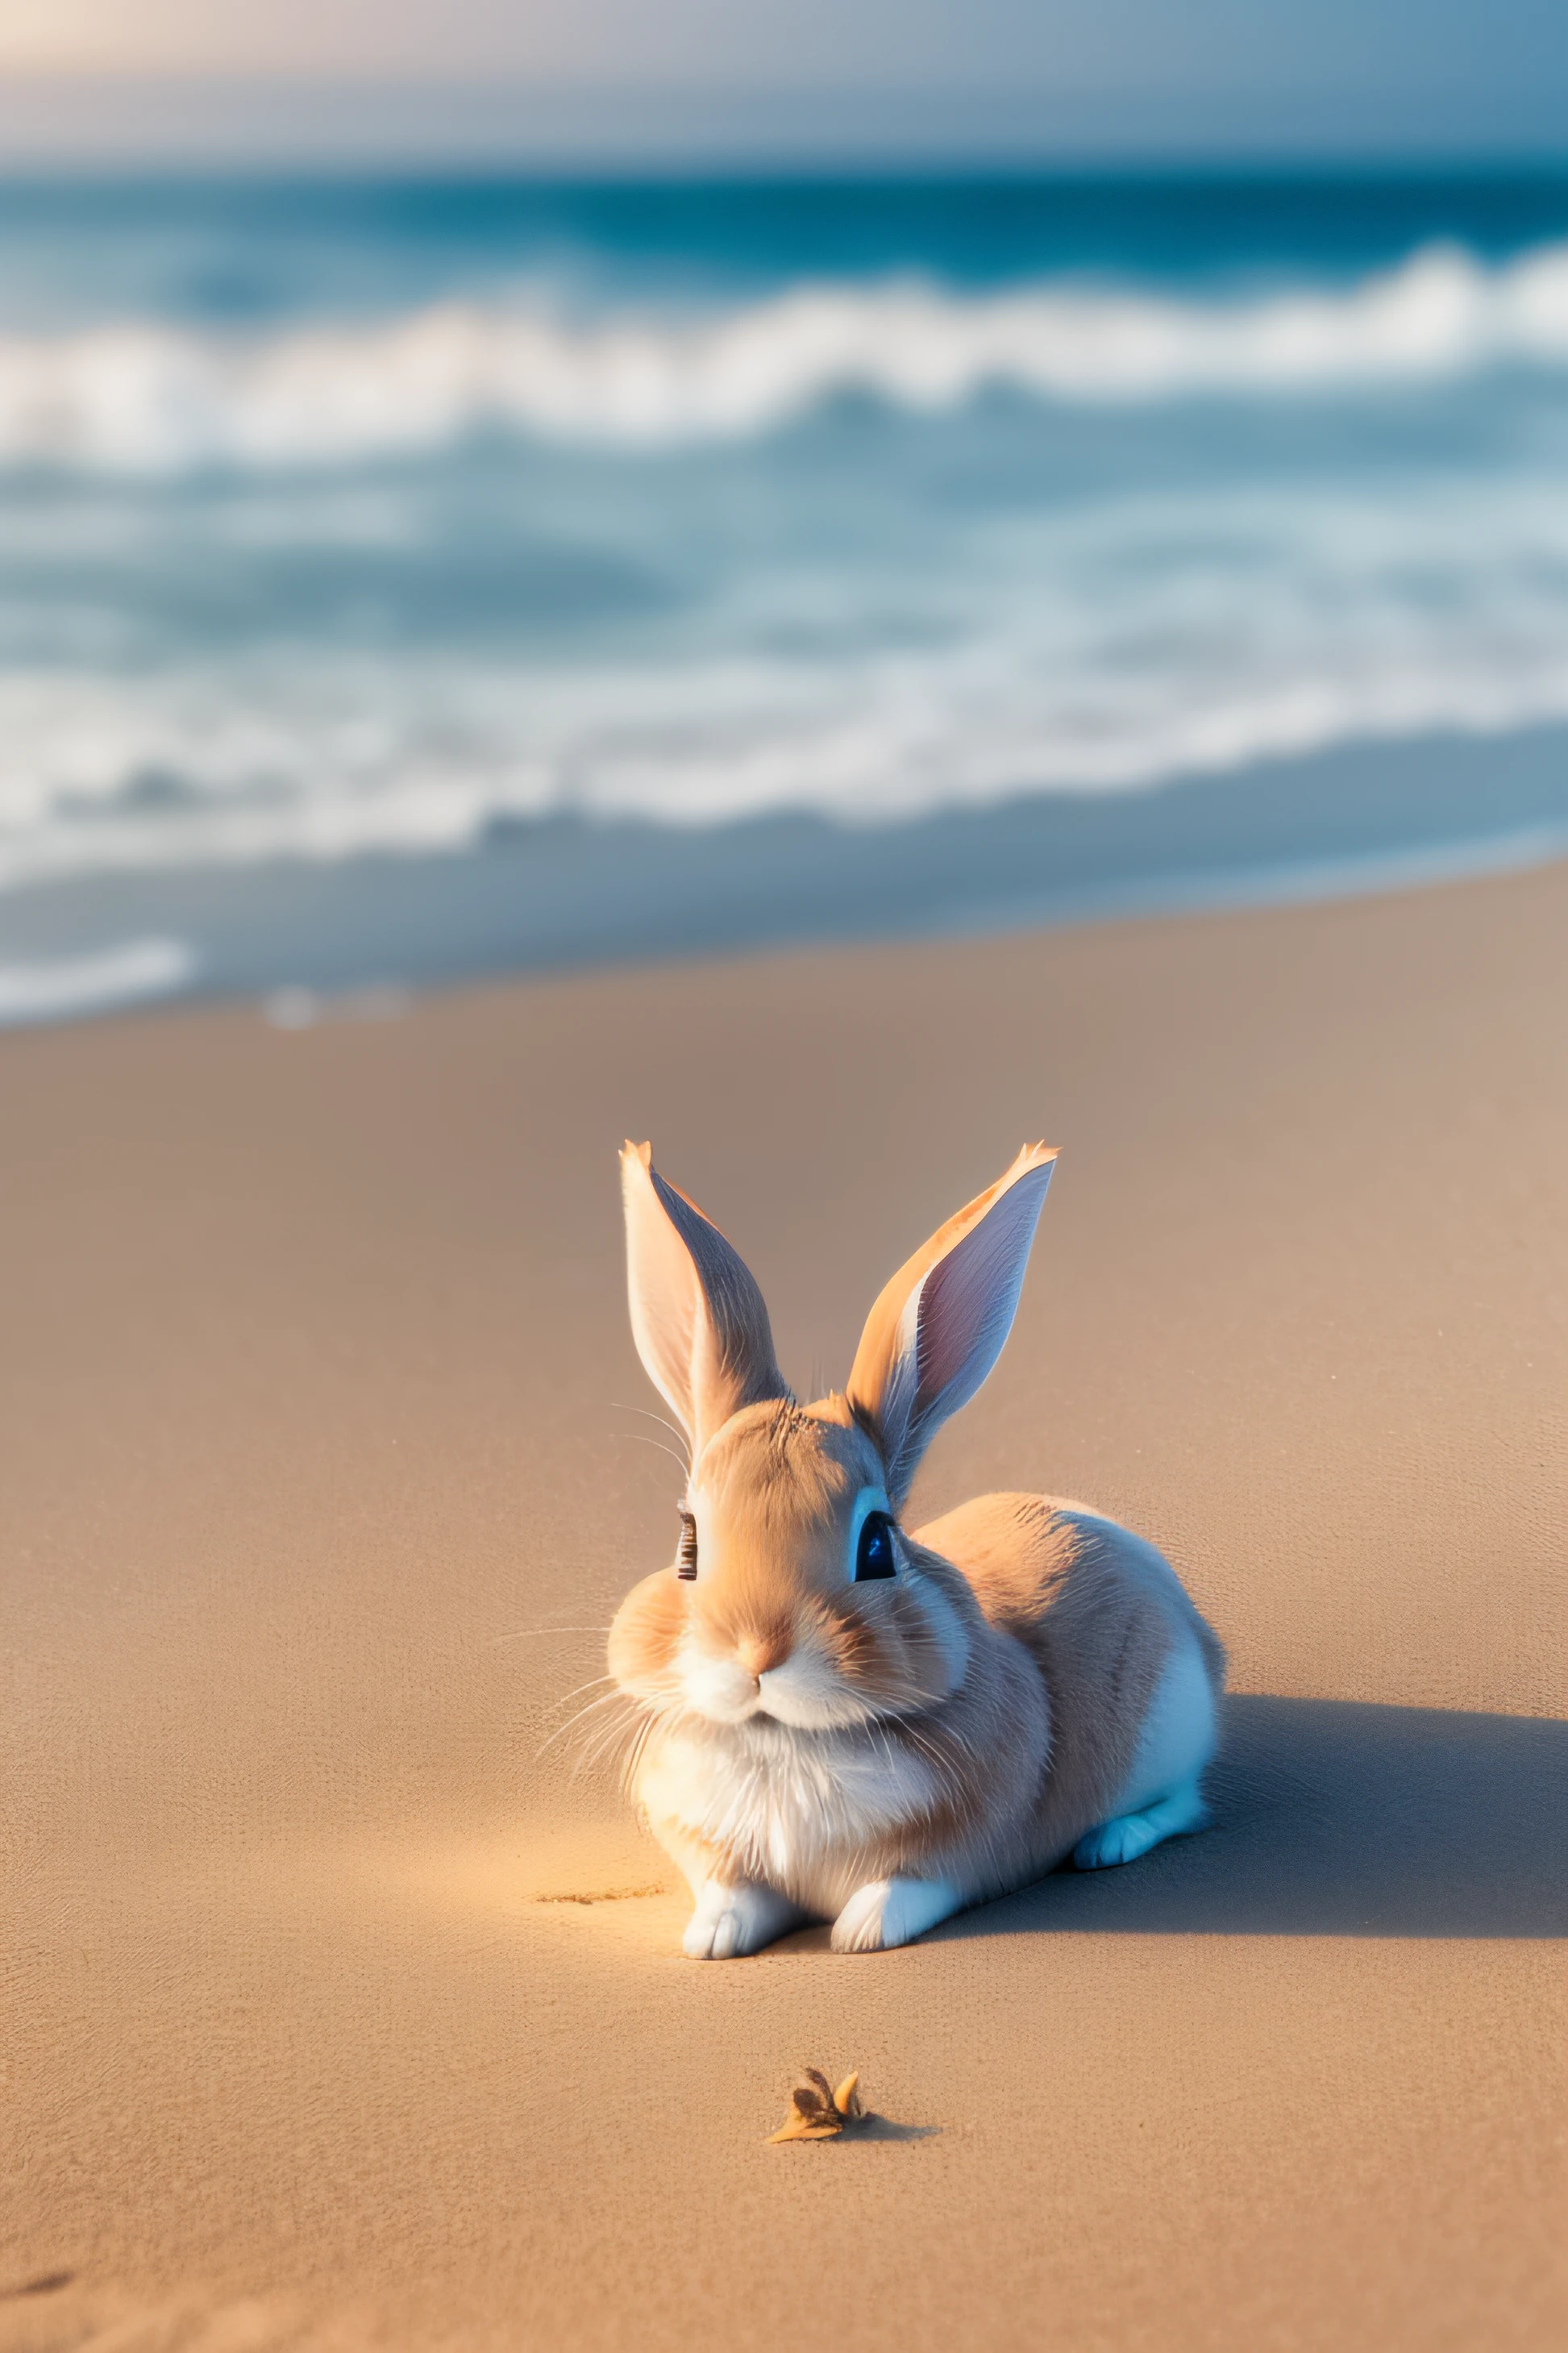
[339,2012]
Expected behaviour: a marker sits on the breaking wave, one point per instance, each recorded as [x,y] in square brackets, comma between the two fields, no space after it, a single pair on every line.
[162,400]
[55,988]
[173,784]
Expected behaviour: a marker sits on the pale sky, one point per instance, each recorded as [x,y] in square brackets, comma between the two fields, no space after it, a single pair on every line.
[1326,74]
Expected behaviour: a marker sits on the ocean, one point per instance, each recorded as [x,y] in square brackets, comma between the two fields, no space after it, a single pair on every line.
[403,579]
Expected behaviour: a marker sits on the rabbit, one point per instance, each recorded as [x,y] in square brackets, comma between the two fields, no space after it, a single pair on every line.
[838,1718]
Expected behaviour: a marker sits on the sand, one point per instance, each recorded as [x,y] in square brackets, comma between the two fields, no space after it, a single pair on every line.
[340,2015]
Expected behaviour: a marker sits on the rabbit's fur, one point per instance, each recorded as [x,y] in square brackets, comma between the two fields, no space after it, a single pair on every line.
[1030,1682]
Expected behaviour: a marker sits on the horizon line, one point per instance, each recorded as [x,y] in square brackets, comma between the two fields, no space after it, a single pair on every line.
[123,119]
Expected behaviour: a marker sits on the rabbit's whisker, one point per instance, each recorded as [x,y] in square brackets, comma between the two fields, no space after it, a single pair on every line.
[535,1633]
[608,1699]
[578,1688]
[664,1422]
[641,1439]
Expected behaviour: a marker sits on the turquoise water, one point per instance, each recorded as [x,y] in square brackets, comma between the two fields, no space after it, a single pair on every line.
[357,521]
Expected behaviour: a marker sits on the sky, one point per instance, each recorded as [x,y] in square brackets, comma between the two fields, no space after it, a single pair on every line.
[1074,77]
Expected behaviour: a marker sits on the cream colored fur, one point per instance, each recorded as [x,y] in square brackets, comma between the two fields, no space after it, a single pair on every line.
[1032,1683]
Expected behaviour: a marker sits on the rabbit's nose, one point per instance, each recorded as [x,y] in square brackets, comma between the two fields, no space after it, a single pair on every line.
[758,1652]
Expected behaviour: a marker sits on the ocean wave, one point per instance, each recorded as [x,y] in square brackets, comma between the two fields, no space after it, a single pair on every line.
[58,988]
[152,399]
[874,746]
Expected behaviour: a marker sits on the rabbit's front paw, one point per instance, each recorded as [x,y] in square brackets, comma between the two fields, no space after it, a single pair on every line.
[730,1922]
[888,1912]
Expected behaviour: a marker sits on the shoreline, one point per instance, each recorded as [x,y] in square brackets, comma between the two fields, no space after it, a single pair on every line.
[561,894]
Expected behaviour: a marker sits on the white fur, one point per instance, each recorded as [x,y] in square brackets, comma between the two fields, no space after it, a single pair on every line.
[888,1912]
[720,1689]
[730,1922]
[786,1803]
[804,1691]
[1161,1797]
[807,1691]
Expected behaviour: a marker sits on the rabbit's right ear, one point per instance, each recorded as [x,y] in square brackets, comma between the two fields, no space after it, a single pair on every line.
[697,1318]
[940,1325]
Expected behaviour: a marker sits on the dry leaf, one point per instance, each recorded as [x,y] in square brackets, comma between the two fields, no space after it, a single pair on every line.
[818,2112]
[846,2099]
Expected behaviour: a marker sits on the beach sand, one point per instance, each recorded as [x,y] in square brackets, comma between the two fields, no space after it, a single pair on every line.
[339,2015]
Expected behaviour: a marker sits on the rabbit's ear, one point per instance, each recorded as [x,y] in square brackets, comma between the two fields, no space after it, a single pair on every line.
[940,1325]
[698,1317]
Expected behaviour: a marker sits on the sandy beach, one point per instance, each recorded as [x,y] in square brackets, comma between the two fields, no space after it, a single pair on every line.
[342,2011]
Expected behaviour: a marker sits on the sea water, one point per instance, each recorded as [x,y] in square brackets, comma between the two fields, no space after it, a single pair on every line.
[353,522]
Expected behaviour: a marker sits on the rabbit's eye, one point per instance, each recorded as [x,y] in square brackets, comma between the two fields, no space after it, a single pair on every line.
[686,1557]
[874,1555]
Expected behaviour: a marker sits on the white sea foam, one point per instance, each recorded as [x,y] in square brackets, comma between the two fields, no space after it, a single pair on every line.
[914,631]
[146,397]
[1196,634]
[58,988]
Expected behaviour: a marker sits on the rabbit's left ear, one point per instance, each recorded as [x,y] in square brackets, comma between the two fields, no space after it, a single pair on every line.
[940,1325]
[697,1318]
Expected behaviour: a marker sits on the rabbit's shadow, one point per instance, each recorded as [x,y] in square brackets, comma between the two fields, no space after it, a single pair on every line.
[1342,1819]
[1335,1818]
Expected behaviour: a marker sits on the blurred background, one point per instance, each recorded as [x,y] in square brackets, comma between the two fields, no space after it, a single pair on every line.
[490,487]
